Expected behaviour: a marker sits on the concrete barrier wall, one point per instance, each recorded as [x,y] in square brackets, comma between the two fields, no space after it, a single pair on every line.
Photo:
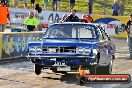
[13,45]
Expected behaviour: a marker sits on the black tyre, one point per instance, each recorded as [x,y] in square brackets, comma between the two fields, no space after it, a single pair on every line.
[92,70]
[37,69]
[113,56]
[81,80]
[104,70]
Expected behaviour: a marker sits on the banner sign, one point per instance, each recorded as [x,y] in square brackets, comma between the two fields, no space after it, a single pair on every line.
[111,25]
[108,79]
[19,15]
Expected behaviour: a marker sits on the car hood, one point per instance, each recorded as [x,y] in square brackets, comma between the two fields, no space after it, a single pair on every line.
[91,43]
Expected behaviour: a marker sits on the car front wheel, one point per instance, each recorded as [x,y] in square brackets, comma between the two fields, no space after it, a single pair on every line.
[37,69]
[102,70]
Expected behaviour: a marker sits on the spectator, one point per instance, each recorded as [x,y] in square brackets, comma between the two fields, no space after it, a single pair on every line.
[7,3]
[54,2]
[4,15]
[89,19]
[72,3]
[16,3]
[33,4]
[63,18]
[115,8]
[25,3]
[58,4]
[72,17]
[121,10]
[86,18]
[31,22]
[90,6]
[83,18]
[45,4]
[129,32]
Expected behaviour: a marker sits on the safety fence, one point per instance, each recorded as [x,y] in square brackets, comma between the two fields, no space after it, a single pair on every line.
[14,44]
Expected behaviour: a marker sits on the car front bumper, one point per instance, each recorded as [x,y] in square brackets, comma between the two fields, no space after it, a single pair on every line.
[63,62]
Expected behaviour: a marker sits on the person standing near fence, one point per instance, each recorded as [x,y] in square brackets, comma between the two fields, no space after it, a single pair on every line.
[25,3]
[54,2]
[31,22]
[90,6]
[115,8]
[45,4]
[121,10]
[86,18]
[72,3]
[89,18]
[129,32]
[58,4]
[7,3]
[72,17]
[4,15]
[16,3]
[32,4]
[83,18]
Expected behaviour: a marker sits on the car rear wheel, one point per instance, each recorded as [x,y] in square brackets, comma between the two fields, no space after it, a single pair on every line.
[37,69]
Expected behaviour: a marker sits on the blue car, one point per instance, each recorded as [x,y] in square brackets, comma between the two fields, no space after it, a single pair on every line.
[65,47]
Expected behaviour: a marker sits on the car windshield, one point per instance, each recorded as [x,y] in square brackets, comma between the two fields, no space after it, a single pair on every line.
[70,31]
